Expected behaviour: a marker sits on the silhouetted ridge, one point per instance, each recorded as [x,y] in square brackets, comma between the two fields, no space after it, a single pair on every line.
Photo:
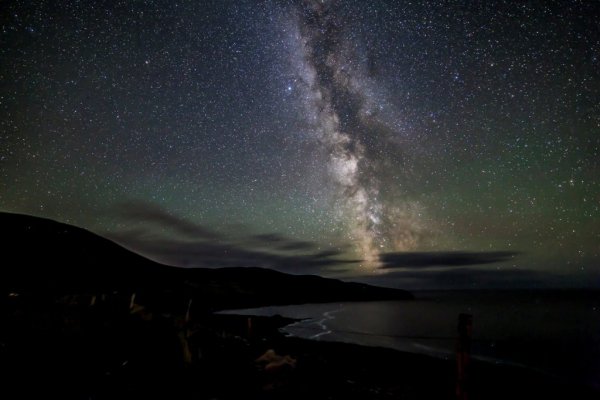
[44,256]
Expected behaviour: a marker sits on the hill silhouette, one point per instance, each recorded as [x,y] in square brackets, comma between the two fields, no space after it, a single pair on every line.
[47,257]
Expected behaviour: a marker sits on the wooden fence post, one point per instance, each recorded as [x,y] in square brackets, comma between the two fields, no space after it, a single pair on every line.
[463,355]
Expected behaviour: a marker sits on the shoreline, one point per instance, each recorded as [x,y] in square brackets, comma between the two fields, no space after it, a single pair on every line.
[532,332]
[352,367]
[105,354]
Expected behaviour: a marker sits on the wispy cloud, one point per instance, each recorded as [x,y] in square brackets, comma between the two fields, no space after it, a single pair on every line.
[155,216]
[192,245]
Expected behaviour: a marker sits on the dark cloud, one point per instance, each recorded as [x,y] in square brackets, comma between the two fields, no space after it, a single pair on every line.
[443,259]
[466,278]
[280,242]
[196,246]
[297,245]
[269,238]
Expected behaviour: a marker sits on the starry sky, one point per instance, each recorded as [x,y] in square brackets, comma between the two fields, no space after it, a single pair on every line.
[421,144]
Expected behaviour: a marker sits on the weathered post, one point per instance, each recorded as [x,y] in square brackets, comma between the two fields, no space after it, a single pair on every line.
[250,327]
[463,355]
[188,311]
[132,302]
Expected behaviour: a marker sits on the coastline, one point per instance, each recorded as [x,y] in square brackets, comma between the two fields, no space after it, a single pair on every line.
[336,370]
[551,333]
[106,355]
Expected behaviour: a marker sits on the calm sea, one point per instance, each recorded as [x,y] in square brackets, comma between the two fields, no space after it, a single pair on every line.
[555,332]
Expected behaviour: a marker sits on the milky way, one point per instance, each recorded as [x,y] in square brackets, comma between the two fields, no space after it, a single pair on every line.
[329,137]
[341,103]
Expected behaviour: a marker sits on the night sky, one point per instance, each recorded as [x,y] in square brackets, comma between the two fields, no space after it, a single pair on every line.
[422,144]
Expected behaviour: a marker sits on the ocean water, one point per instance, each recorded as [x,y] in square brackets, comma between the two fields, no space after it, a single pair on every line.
[554,332]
